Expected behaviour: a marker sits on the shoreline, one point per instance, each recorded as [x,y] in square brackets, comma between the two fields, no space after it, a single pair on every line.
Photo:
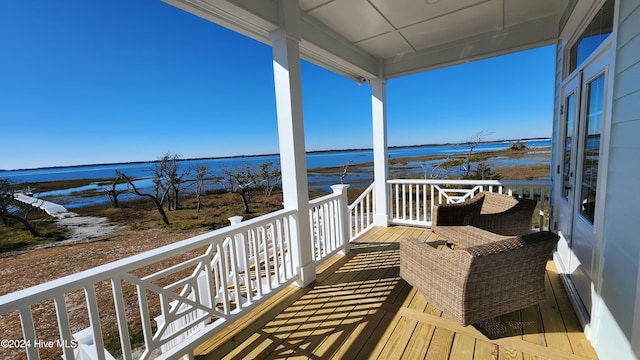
[361,168]
[141,162]
[85,190]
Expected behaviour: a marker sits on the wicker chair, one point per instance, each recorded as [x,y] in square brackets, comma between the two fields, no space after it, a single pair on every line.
[479,282]
[497,213]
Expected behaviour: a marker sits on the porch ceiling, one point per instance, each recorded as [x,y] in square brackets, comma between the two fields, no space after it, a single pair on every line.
[372,38]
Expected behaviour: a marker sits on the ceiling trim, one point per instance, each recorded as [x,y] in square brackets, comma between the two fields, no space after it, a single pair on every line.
[257,19]
[331,50]
[328,45]
[533,34]
[229,16]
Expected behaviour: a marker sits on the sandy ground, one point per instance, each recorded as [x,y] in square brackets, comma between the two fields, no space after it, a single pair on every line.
[81,228]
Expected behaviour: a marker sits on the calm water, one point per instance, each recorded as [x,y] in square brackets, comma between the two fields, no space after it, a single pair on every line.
[144,171]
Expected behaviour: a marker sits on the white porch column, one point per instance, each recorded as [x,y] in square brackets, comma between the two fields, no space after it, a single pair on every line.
[380,151]
[288,89]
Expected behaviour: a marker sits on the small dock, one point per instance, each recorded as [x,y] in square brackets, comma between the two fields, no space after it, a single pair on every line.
[53,209]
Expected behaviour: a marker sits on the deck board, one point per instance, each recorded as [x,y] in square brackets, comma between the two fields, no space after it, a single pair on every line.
[359,307]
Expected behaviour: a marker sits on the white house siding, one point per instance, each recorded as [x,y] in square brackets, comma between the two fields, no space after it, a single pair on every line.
[616,315]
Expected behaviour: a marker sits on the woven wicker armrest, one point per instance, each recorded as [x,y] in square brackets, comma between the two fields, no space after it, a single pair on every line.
[436,274]
[514,221]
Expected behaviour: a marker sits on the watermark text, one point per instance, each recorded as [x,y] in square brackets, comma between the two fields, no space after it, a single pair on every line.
[38,343]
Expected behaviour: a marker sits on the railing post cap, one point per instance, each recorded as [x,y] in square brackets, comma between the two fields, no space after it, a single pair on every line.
[235,219]
[339,188]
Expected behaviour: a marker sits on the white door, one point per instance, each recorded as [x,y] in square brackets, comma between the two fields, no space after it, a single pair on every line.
[567,154]
[582,119]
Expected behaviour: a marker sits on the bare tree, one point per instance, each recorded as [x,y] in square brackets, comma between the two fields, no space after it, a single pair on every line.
[471,144]
[6,199]
[241,180]
[463,165]
[112,191]
[158,198]
[169,179]
[201,174]
[345,171]
[10,209]
[269,177]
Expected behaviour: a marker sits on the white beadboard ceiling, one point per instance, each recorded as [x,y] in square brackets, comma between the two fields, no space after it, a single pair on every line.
[391,38]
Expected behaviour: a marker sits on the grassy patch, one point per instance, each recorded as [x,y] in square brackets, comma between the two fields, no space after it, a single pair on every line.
[215,211]
[15,236]
[525,172]
[39,187]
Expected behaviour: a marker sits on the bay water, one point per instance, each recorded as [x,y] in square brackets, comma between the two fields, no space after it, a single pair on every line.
[143,171]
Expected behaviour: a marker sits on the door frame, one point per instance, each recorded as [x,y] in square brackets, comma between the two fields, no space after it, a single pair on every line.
[602,60]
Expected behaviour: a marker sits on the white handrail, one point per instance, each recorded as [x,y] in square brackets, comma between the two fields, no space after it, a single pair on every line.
[328,224]
[361,213]
[204,292]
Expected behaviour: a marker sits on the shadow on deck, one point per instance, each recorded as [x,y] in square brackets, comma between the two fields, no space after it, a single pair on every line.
[359,307]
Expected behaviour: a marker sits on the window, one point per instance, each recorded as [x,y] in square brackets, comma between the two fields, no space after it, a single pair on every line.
[597,31]
[591,154]
[568,141]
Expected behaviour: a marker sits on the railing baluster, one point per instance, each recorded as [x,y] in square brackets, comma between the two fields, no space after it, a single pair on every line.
[333,207]
[404,202]
[267,260]
[29,331]
[353,220]
[224,285]
[121,315]
[368,203]
[63,325]
[542,207]
[417,202]
[287,241]
[256,260]
[361,218]
[94,320]
[281,249]
[424,202]
[326,233]
[326,221]
[397,201]
[410,198]
[233,261]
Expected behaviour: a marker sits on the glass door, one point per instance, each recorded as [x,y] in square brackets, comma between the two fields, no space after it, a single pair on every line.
[577,173]
[566,169]
[585,197]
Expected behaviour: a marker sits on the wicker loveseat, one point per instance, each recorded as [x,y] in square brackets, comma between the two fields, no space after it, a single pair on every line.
[497,214]
[479,282]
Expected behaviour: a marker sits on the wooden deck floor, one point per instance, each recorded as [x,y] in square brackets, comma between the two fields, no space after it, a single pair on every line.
[359,308]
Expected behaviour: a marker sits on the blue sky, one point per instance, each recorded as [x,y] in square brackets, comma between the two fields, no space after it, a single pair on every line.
[105,81]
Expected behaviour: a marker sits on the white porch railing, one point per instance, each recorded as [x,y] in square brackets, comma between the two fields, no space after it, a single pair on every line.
[411,201]
[202,285]
[195,288]
[361,213]
[329,233]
